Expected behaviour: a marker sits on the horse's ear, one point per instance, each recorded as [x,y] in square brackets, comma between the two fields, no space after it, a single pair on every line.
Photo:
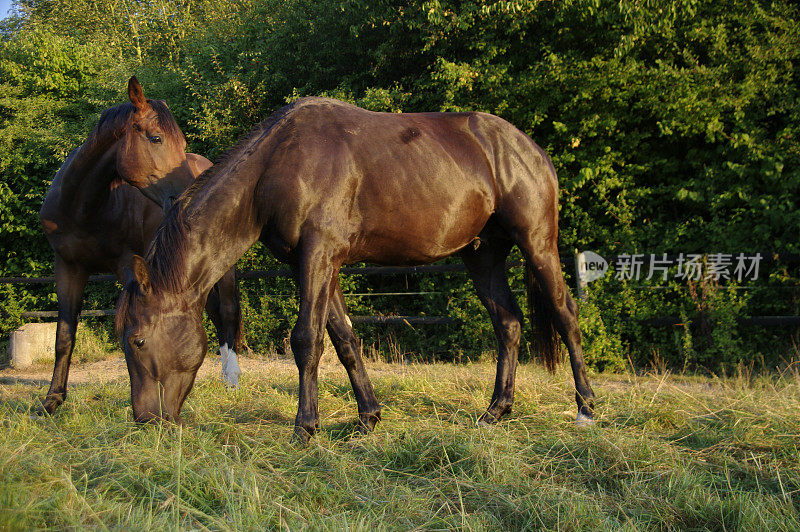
[141,273]
[136,94]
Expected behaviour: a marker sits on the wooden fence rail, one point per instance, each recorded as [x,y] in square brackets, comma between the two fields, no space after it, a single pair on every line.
[386,320]
[766,258]
[668,321]
[762,321]
[286,272]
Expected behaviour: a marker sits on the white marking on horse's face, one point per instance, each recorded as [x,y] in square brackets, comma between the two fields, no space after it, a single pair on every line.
[230,366]
[350,323]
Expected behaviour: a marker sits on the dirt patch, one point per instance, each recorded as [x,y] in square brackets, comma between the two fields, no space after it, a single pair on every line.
[114,368]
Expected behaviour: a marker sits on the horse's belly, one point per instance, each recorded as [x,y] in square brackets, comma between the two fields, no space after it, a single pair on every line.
[390,250]
[87,252]
[97,250]
[419,234]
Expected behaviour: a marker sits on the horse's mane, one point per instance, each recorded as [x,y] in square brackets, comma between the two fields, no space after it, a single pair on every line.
[237,152]
[168,249]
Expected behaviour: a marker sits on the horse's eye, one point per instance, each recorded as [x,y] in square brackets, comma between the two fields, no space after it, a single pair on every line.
[139,343]
[155,139]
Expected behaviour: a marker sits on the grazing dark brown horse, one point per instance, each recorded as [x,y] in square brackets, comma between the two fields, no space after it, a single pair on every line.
[323,183]
[95,222]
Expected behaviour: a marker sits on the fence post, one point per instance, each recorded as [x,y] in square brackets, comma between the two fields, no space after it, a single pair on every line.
[32,342]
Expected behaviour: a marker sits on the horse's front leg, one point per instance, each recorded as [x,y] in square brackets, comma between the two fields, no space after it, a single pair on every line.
[70,282]
[313,275]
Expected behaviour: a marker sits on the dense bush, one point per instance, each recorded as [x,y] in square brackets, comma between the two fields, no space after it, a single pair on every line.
[673,126]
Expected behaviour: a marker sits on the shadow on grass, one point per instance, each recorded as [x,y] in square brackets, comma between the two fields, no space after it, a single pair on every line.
[28,400]
[21,405]
[704,432]
[28,381]
[284,389]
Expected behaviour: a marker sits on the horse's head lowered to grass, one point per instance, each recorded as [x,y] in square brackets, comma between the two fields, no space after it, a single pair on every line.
[164,342]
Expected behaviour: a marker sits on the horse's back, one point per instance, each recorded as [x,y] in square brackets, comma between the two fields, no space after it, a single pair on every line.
[415,150]
[395,188]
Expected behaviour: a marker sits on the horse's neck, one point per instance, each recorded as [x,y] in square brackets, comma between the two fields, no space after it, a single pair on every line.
[86,179]
[223,225]
[220,220]
[169,187]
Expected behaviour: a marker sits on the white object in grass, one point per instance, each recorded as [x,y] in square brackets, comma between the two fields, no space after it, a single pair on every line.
[230,366]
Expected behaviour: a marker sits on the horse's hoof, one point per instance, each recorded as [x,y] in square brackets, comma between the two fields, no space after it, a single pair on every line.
[44,411]
[487,419]
[300,437]
[368,422]
[584,421]
[365,428]
[47,407]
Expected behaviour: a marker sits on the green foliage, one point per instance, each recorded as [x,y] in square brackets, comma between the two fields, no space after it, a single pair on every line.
[52,88]
[95,341]
[673,127]
[600,339]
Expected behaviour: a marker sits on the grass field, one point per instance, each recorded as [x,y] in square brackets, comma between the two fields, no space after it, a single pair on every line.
[668,453]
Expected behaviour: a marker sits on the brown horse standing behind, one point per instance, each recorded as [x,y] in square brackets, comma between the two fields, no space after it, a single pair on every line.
[95,222]
[323,183]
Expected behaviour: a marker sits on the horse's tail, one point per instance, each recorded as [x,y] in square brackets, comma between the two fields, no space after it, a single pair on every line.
[545,337]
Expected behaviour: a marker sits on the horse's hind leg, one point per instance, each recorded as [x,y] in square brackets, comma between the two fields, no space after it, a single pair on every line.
[223,308]
[70,282]
[487,268]
[547,269]
[347,348]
